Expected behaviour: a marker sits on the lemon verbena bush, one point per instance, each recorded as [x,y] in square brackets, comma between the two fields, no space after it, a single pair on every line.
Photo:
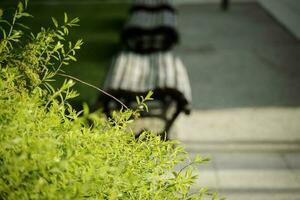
[50,151]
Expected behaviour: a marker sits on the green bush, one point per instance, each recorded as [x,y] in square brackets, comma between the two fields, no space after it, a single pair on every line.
[50,151]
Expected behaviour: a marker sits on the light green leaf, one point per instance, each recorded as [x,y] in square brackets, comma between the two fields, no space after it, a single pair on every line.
[65,17]
[5,21]
[20,7]
[23,26]
[138,100]
[54,22]
[148,96]
[72,58]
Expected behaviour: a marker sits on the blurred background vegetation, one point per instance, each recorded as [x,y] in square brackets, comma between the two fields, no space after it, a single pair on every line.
[100,25]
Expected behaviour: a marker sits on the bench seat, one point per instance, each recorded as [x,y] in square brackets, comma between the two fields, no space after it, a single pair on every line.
[133,75]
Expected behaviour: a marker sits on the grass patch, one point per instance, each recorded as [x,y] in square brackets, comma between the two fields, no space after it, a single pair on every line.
[100,26]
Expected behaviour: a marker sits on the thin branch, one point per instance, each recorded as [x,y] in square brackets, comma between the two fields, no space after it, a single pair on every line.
[88,84]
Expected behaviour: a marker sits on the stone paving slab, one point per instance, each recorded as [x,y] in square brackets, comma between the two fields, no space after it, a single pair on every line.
[251,184]
[292,160]
[258,179]
[272,195]
[249,161]
[229,147]
[269,125]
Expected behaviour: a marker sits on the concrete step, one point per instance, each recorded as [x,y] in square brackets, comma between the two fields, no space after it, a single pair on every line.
[242,146]
[247,176]
[255,152]
[269,126]
[252,184]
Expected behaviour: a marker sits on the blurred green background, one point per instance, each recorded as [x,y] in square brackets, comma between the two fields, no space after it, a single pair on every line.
[100,26]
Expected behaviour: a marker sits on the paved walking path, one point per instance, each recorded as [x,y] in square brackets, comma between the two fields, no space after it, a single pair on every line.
[245,76]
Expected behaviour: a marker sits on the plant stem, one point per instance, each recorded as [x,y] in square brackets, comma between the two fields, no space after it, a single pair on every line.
[88,84]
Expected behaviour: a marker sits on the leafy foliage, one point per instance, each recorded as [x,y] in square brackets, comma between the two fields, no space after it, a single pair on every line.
[50,151]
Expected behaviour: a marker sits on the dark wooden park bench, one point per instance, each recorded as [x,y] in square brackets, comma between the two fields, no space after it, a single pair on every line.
[147,32]
[134,75]
[147,63]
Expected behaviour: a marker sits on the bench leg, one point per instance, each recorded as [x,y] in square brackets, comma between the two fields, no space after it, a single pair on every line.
[225,4]
[165,135]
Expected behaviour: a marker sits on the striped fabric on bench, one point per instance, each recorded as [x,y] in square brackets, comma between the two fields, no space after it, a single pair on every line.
[147,32]
[152,5]
[134,74]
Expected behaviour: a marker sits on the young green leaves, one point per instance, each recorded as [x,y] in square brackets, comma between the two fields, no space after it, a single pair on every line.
[141,101]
